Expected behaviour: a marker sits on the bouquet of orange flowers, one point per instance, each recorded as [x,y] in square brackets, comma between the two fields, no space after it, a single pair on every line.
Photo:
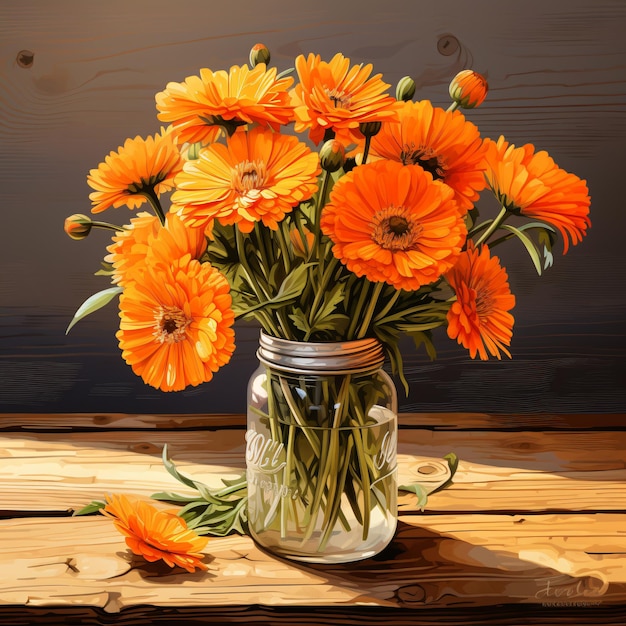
[326,210]
[361,223]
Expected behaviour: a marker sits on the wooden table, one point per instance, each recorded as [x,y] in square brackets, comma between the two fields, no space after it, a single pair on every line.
[533,530]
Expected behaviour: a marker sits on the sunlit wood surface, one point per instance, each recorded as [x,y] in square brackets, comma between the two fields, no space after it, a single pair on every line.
[534,525]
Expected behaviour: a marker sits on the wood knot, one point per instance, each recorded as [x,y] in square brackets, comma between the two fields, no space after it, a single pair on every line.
[145,448]
[411,594]
[448,45]
[25,58]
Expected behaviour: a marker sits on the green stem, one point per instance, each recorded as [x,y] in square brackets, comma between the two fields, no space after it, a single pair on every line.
[365,481]
[333,510]
[360,304]
[329,456]
[453,107]
[108,226]
[287,479]
[152,198]
[400,316]
[284,248]
[369,313]
[321,201]
[320,291]
[504,213]
[366,148]
[501,239]
[389,305]
[262,247]
[264,317]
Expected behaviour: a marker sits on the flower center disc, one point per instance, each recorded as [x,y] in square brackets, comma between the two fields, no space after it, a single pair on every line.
[426,158]
[170,324]
[248,176]
[393,230]
[340,99]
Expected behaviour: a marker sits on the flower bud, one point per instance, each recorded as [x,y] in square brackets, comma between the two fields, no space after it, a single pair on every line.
[405,89]
[468,89]
[369,129]
[78,226]
[259,54]
[300,248]
[332,155]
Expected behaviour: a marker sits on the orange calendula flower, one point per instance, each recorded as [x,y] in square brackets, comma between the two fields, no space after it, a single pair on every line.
[530,183]
[155,534]
[479,319]
[130,246]
[176,324]
[136,246]
[201,106]
[259,176]
[392,223]
[468,89]
[139,168]
[175,240]
[443,143]
[335,96]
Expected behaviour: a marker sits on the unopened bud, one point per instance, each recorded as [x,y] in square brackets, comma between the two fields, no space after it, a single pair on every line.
[468,89]
[332,155]
[405,89]
[78,226]
[369,129]
[301,247]
[259,54]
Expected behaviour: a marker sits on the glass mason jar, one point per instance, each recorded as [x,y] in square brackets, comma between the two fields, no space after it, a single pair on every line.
[321,450]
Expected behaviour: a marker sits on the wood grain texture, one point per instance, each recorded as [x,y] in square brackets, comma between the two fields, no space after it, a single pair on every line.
[497,471]
[532,528]
[55,422]
[557,73]
[84,561]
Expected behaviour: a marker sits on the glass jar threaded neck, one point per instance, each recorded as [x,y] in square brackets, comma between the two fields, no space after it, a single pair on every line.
[333,357]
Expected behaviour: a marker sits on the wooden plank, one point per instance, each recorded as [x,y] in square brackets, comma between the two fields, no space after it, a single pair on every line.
[460,562]
[498,471]
[67,422]
[561,614]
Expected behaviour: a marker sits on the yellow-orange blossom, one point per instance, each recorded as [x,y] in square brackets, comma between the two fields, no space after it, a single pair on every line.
[156,534]
[479,319]
[176,323]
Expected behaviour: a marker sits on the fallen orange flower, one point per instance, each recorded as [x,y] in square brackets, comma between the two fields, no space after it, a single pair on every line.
[155,534]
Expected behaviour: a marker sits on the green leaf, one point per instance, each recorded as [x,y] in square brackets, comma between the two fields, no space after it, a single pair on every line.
[91,508]
[420,338]
[294,283]
[336,322]
[215,512]
[168,496]
[420,491]
[93,303]
[330,301]
[547,239]
[528,243]
[106,269]
[202,489]
[453,464]
[289,290]
[423,492]
[300,321]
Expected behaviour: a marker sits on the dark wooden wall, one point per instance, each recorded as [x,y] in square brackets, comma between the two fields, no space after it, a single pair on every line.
[77,77]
